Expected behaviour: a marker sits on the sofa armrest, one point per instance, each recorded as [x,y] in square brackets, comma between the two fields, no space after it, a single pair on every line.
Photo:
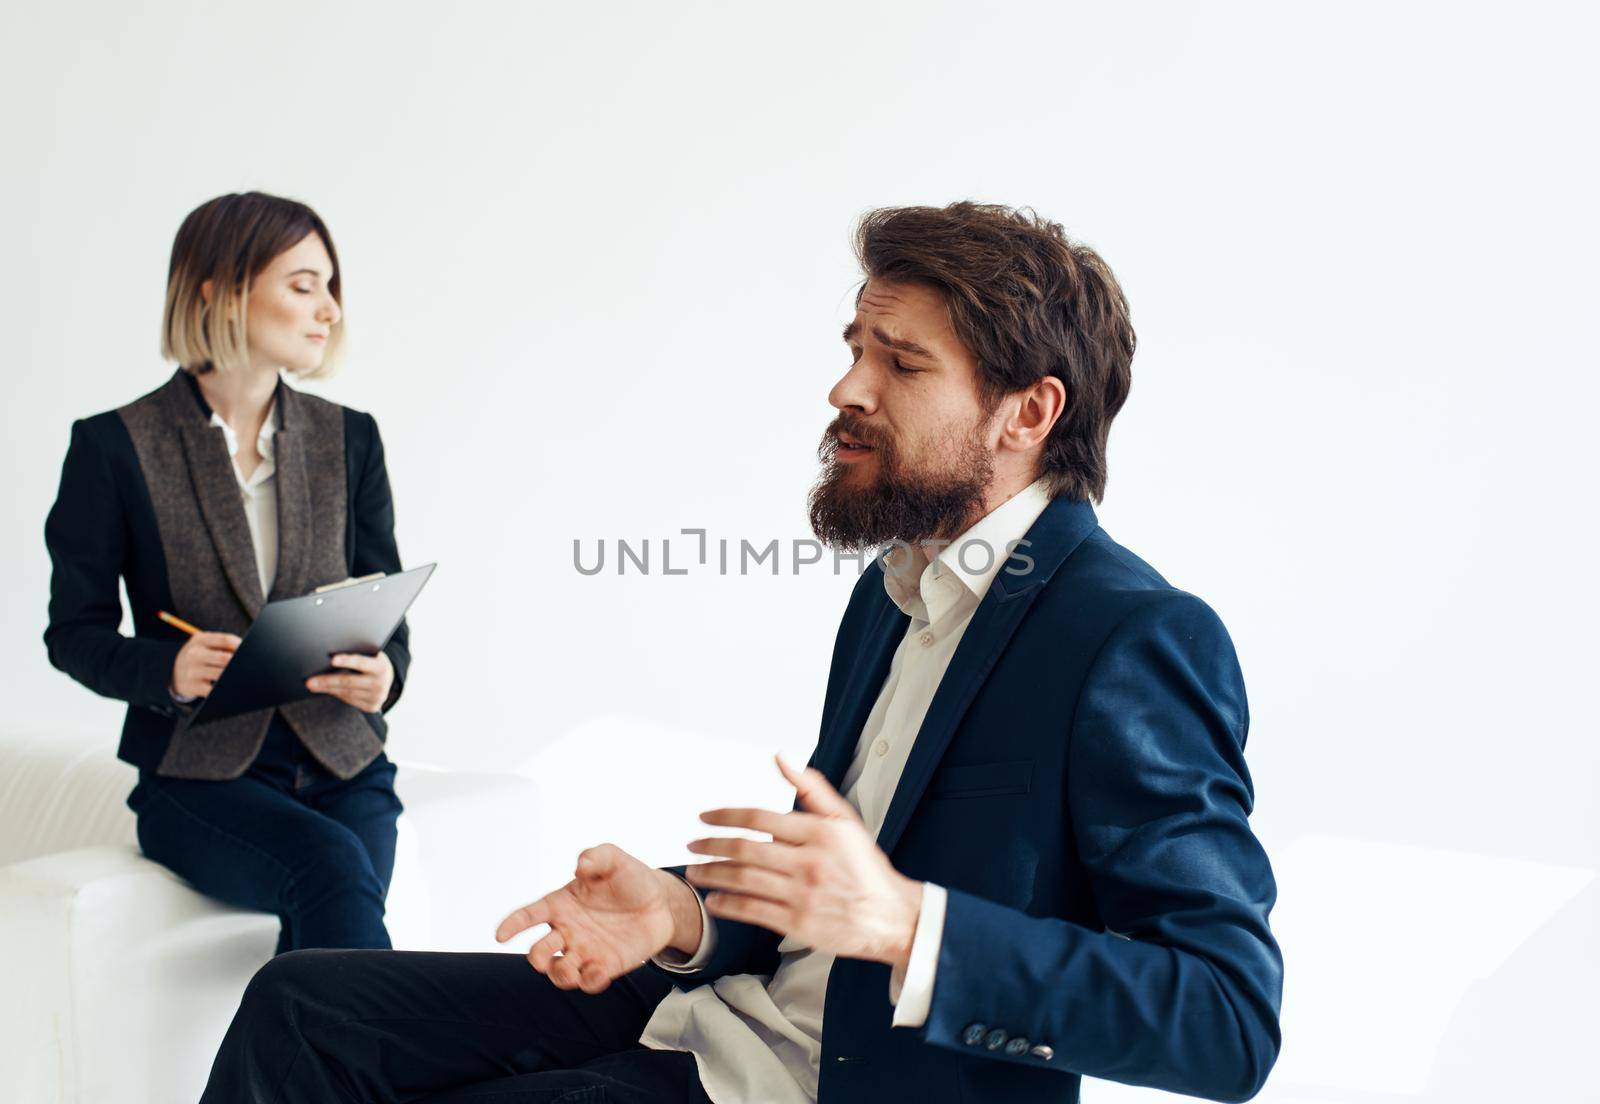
[123,979]
[117,958]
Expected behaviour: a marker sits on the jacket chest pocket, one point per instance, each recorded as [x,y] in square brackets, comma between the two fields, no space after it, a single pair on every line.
[982,779]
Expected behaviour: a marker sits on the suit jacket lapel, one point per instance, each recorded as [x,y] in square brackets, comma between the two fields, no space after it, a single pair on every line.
[205,452]
[837,743]
[294,496]
[995,619]
[1060,529]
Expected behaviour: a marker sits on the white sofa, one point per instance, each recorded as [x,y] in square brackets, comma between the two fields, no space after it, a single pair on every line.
[119,980]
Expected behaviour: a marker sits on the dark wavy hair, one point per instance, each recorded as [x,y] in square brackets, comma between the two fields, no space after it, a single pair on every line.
[1028,303]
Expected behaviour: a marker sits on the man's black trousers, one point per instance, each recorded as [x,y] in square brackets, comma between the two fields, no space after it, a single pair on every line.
[386,1027]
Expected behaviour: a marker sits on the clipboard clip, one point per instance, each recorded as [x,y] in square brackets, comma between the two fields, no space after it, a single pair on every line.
[348,582]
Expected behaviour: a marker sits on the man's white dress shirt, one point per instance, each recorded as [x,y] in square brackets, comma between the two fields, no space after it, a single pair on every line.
[760,1040]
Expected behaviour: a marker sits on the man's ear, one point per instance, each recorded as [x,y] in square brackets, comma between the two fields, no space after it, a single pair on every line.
[1038,408]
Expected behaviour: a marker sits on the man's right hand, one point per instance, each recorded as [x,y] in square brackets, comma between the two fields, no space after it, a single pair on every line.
[615,913]
[200,663]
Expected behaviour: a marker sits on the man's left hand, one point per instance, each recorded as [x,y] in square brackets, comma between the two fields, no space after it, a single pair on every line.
[364,683]
[822,879]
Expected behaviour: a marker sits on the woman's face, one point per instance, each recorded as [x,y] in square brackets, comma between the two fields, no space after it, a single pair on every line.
[291,310]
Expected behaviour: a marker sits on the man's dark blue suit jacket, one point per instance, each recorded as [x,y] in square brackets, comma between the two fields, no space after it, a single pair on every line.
[1079,787]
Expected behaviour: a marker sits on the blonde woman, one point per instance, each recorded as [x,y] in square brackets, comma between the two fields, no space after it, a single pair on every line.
[222,489]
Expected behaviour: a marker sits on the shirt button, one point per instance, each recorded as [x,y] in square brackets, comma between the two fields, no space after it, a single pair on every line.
[926,639]
[995,1039]
[1017,1047]
[974,1033]
[882,748]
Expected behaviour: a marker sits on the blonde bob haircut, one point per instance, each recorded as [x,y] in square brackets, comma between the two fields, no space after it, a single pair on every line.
[230,241]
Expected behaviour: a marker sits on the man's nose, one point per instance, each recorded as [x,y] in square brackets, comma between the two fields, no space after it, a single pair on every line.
[854,392]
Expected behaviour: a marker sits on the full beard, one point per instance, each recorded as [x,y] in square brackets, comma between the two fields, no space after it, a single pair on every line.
[854,511]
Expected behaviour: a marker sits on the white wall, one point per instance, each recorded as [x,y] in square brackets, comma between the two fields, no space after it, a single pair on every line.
[596,259]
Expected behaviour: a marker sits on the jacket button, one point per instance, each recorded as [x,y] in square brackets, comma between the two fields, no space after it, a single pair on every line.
[995,1039]
[1017,1047]
[974,1034]
[1043,1052]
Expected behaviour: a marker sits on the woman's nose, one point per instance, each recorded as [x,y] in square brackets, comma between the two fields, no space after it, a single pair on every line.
[329,311]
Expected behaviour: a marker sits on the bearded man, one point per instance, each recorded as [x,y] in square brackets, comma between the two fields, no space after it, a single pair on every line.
[1020,855]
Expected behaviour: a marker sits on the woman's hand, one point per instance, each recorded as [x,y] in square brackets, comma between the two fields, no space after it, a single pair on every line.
[365,683]
[200,662]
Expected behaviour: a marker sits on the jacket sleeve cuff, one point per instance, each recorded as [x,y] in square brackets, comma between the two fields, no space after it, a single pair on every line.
[398,665]
[912,995]
[675,961]
[155,660]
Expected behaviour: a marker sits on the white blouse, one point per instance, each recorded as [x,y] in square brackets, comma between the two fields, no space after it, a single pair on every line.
[260,494]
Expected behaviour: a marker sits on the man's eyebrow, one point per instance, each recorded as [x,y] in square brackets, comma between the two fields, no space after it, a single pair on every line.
[901,344]
[898,343]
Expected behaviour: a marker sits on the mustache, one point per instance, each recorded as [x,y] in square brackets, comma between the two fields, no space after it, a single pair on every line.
[848,423]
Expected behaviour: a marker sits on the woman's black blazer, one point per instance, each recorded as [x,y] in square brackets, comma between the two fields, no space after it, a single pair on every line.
[103,527]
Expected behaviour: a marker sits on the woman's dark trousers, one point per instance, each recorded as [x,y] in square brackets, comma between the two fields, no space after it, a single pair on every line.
[286,837]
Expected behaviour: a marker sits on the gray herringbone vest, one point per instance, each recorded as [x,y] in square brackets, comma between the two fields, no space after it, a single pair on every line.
[211,565]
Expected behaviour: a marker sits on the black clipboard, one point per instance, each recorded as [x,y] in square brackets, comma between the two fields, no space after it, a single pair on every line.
[293,638]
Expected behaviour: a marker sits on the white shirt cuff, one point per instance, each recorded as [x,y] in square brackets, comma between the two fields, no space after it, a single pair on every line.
[673,961]
[181,699]
[912,995]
